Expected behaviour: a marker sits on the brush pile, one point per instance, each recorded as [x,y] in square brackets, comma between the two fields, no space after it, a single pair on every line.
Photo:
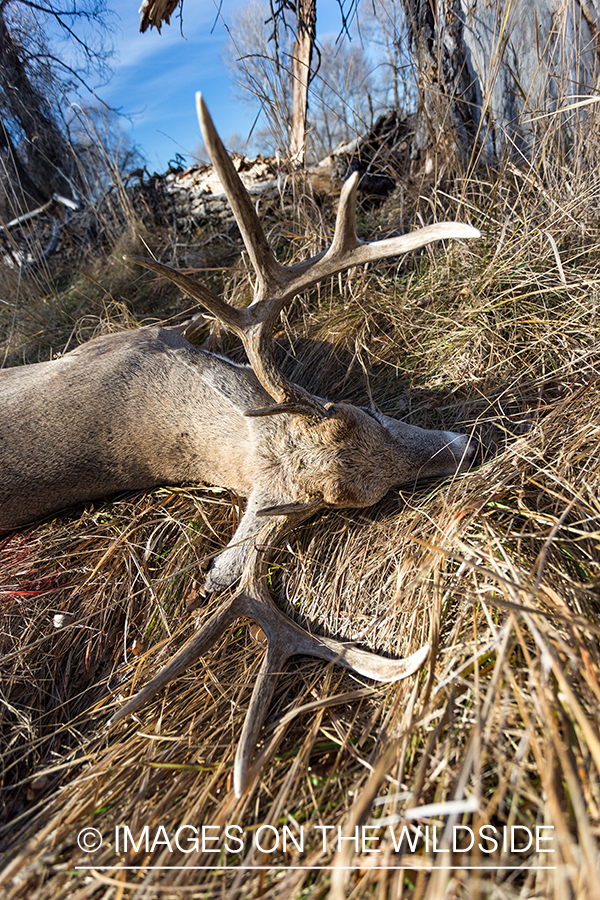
[498,569]
[189,198]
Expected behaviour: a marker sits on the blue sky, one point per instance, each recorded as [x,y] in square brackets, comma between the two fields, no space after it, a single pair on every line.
[156,77]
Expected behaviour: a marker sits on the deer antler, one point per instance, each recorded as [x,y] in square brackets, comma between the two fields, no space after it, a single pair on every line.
[276,284]
[285,639]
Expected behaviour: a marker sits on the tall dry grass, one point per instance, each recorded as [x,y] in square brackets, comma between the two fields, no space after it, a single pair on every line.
[498,569]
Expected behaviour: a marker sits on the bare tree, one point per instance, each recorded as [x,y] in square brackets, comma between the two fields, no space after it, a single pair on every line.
[103,153]
[261,68]
[286,18]
[302,53]
[35,81]
[343,97]
[343,93]
[382,26]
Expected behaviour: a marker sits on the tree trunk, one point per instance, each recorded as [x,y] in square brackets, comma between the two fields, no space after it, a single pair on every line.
[33,148]
[306,25]
[487,71]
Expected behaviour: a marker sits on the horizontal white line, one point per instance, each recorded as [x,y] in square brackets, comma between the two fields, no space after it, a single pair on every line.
[312,868]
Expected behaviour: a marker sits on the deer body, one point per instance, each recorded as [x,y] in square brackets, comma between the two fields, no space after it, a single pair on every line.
[143,408]
[122,412]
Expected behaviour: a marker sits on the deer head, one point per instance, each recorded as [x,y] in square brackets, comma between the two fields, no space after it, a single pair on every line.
[308,453]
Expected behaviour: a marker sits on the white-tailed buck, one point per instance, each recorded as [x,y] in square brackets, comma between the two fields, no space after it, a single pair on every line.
[143,408]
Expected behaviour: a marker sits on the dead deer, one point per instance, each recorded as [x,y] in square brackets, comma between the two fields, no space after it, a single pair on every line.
[143,408]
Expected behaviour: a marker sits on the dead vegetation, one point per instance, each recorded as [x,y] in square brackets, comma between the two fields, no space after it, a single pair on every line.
[498,569]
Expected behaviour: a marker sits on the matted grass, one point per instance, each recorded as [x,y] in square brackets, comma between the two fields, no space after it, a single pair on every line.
[498,568]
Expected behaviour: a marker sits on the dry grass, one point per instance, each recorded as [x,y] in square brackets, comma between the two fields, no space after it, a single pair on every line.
[498,569]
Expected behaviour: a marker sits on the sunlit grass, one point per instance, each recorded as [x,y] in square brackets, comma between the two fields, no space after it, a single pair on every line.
[498,569]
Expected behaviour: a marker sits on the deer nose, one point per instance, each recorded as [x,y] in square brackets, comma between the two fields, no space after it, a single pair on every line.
[466,449]
[474,452]
[472,455]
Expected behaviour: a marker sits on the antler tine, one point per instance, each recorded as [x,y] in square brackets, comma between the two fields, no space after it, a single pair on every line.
[344,236]
[265,265]
[256,714]
[234,318]
[193,650]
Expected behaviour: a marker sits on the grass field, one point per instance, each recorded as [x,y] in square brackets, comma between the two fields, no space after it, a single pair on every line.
[498,569]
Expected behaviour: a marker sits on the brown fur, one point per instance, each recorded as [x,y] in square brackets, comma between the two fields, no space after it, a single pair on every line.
[142,408]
